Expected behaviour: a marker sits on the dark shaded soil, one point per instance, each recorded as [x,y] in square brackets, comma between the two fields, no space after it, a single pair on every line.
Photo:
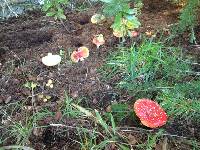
[25,40]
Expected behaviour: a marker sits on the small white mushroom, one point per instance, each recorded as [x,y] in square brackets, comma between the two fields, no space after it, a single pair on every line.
[51,60]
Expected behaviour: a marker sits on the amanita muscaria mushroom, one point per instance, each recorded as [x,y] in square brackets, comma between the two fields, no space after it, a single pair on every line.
[80,54]
[150,113]
[98,40]
[51,60]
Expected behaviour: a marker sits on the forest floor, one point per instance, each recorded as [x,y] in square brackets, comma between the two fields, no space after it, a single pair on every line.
[26,39]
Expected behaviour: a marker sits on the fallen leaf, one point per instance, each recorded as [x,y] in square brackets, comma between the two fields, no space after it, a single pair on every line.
[58,116]
[131,139]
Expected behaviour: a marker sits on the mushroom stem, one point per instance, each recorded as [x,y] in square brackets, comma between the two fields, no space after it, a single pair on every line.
[98,52]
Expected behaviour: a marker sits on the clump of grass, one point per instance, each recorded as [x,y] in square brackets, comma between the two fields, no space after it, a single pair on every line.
[146,67]
[155,71]
[182,101]
[152,139]
[68,110]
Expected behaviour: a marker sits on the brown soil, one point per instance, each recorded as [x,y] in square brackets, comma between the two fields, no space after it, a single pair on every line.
[25,40]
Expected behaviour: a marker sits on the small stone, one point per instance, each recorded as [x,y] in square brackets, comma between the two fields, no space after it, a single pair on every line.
[29,107]
[93,82]
[51,75]
[131,139]
[93,71]
[108,87]
[95,101]
[74,94]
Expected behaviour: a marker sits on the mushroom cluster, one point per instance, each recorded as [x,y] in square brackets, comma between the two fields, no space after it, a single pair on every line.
[150,113]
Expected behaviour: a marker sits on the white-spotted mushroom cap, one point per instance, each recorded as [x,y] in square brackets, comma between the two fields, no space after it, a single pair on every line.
[51,60]
[150,113]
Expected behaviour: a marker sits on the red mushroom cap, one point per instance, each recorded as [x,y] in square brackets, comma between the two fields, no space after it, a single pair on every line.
[80,54]
[150,113]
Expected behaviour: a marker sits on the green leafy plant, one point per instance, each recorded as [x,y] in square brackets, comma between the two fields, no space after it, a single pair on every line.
[30,85]
[55,8]
[68,110]
[21,132]
[125,17]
